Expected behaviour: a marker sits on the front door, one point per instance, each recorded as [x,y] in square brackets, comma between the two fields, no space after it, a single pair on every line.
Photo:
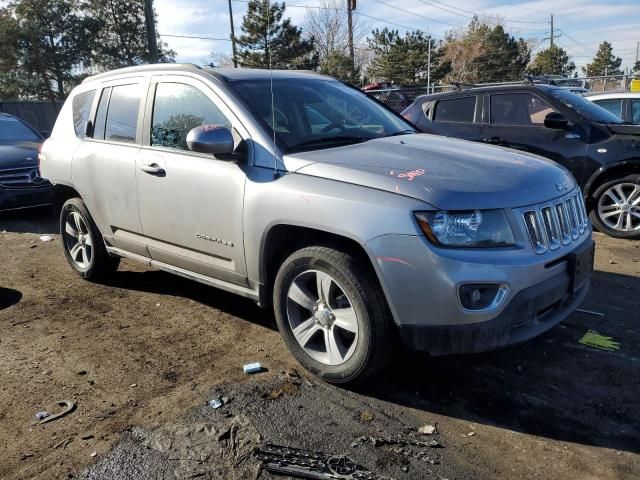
[516,120]
[190,203]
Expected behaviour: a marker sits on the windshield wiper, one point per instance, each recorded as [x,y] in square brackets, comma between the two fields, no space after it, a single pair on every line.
[402,132]
[329,142]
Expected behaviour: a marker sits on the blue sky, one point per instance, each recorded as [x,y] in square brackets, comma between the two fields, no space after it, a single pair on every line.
[582,24]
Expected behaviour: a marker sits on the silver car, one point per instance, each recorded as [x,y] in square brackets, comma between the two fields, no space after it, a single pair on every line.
[306,196]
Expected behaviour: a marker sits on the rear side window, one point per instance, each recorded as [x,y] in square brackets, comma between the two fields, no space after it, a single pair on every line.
[460,110]
[177,109]
[635,111]
[613,105]
[81,111]
[520,109]
[122,113]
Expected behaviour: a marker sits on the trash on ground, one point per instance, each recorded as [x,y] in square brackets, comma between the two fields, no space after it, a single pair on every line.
[310,464]
[215,403]
[42,415]
[427,430]
[287,388]
[93,454]
[63,443]
[594,339]
[471,434]
[366,416]
[69,407]
[396,440]
[46,238]
[252,368]
[87,437]
[590,312]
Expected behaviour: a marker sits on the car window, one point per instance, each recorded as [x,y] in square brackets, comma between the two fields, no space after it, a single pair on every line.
[177,109]
[13,130]
[81,106]
[316,120]
[122,114]
[456,110]
[614,105]
[586,108]
[101,114]
[635,110]
[522,109]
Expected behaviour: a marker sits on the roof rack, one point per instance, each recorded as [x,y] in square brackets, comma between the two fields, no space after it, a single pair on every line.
[143,68]
[544,79]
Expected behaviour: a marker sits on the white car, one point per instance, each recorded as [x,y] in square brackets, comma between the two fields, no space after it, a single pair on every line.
[625,105]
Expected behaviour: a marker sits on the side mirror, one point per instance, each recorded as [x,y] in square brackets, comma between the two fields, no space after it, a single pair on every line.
[88,129]
[213,139]
[556,120]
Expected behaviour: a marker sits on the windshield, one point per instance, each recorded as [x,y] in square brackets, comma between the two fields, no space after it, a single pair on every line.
[317,113]
[584,107]
[12,129]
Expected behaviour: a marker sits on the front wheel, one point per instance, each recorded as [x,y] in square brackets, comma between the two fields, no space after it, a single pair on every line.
[617,209]
[332,315]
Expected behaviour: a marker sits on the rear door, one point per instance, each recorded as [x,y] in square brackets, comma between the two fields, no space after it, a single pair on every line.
[516,120]
[453,117]
[191,209]
[104,165]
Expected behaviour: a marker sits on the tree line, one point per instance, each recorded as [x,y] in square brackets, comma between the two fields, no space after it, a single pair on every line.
[48,46]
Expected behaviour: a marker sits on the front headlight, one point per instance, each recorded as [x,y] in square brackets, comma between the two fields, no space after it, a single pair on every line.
[469,228]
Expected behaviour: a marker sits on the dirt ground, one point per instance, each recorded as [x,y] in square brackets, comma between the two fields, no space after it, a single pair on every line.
[142,354]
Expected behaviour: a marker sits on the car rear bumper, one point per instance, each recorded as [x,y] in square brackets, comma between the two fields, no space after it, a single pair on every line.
[27,197]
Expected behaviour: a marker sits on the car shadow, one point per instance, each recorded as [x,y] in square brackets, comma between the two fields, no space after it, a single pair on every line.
[551,387]
[9,297]
[33,220]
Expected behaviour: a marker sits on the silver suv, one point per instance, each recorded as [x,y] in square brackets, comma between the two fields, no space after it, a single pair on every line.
[298,191]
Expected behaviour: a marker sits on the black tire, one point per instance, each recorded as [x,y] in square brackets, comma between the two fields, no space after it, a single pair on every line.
[375,340]
[100,264]
[599,223]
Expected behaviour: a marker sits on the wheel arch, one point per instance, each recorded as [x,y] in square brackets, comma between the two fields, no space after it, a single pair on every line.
[62,193]
[606,173]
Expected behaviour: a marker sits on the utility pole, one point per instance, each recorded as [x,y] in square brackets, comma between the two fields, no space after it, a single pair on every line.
[351,6]
[637,54]
[150,22]
[551,37]
[429,67]
[233,37]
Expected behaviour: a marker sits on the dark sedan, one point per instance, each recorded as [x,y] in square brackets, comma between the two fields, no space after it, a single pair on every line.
[21,185]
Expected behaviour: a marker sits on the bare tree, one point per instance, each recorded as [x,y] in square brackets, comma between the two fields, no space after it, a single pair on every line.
[222,60]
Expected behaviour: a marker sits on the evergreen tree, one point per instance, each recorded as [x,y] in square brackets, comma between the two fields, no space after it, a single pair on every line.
[552,61]
[604,62]
[338,65]
[120,37]
[265,33]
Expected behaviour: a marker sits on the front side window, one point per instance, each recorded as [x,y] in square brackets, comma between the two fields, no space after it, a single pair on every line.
[635,110]
[520,109]
[81,110]
[461,110]
[613,105]
[122,114]
[177,109]
[585,108]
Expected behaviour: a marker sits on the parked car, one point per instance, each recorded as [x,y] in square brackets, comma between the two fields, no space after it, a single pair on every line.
[21,185]
[625,105]
[319,202]
[596,146]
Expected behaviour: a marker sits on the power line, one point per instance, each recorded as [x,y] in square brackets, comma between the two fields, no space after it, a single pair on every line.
[431,3]
[195,37]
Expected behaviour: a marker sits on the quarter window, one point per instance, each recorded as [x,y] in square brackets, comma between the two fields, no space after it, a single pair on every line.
[613,105]
[177,109]
[122,114]
[521,109]
[81,111]
[460,110]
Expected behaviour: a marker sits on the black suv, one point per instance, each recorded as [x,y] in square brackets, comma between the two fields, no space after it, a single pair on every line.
[599,149]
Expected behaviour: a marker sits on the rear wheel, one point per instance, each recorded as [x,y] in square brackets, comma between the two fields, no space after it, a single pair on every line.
[332,315]
[82,242]
[617,207]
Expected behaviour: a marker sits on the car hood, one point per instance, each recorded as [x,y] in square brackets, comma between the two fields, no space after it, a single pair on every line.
[444,172]
[20,154]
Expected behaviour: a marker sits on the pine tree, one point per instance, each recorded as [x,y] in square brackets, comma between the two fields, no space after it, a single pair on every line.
[552,61]
[604,62]
[267,38]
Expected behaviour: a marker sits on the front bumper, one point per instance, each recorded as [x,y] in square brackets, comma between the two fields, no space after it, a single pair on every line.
[25,197]
[421,284]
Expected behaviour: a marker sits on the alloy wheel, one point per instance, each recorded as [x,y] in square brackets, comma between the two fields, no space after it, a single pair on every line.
[322,317]
[78,240]
[619,207]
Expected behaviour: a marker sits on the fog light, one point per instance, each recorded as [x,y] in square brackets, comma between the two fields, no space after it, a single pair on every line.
[481,296]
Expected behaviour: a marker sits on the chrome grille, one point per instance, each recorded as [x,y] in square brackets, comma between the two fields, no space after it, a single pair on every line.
[556,223]
[20,177]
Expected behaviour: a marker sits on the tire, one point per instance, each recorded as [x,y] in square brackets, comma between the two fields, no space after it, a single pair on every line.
[626,190]
[86,253]
[330,283]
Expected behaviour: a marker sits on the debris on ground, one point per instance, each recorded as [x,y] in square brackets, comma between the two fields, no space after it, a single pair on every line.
[42,415]
[69,407]
[589,312]
[366,416]
[287,388]
[46,238]
[93,454]
[594,339]
[252,368]
[427,430]
[63,443]
[471,434]
[397,440]
[218,402]
[301,463]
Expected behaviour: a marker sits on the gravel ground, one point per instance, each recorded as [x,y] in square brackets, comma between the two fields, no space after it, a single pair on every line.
[141,355]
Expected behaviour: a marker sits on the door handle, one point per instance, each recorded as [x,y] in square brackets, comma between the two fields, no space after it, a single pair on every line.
[153,169]
[494,140]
